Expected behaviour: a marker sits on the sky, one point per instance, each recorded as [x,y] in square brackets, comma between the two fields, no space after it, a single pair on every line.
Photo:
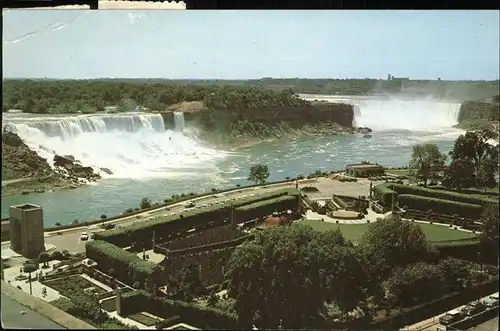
[452,45]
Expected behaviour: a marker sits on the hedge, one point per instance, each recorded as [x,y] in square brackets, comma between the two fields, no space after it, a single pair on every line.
[170,201]
[193,314]
[383,193]
[203,248]
[440,205]
[166,226]
[128,265]
[264,208]
[444,195]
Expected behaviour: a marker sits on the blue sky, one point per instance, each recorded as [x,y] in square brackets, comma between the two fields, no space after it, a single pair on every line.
[453,45]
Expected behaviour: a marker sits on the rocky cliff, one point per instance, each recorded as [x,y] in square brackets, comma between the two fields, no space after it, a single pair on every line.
[24,171]
[478,114]
[328,118]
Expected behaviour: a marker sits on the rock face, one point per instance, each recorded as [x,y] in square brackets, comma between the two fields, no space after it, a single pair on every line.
[19,161]
[24,171]
[316,113]
[475,110]
[74,169]
[475,115]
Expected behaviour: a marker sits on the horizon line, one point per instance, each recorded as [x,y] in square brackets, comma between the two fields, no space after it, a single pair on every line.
[252,79]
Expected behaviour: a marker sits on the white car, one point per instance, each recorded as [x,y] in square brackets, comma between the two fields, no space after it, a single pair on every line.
[84,236]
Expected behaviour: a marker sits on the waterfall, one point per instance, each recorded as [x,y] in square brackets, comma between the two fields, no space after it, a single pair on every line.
[179,124]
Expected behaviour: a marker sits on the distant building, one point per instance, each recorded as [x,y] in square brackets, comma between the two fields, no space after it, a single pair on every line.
[389,77]
[364,170]
[26,230]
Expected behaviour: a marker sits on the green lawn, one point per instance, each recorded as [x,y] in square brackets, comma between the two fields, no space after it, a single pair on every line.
[353,232]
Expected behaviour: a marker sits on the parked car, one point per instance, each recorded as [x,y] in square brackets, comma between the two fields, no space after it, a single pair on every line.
[190,205]
[107,226]
[473,308]
[451,317]
[491,301]
[84,236]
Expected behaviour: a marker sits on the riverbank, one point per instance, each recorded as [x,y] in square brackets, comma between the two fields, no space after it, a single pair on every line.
[275,134]
[25,172]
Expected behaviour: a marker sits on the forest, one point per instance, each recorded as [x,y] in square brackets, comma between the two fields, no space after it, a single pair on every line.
[88,96]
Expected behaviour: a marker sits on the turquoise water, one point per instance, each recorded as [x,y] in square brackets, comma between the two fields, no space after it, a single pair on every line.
[111,196]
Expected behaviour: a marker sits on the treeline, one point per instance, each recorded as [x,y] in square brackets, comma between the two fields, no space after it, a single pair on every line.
[89,96]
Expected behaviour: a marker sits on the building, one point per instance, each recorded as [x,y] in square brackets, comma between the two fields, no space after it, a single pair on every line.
[26,230]
[364,170]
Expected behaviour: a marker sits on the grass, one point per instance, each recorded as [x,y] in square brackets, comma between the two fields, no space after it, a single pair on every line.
[354,232]
[143,319]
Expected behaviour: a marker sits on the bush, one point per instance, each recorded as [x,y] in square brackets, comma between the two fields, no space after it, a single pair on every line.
[167,225]
[441,206]
[145,203]
[383,193]
[445,195]
[108,256]
[167,322]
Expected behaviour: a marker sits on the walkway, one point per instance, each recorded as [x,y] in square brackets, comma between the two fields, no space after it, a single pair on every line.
[372,217]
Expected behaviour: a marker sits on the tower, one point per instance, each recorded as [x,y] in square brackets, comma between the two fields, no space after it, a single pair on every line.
[26,226]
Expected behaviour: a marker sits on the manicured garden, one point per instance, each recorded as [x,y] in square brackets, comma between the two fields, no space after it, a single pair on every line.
[73,285]
[354,232]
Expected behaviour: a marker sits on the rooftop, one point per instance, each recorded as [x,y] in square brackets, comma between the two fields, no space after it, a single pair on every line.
[364,165]
[26,206]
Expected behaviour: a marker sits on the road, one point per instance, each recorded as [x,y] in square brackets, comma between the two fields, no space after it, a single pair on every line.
[432,324]
[13,319]
[70,239]
[490,325]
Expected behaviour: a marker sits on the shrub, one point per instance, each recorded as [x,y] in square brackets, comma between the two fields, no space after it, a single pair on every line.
[383,193]
[166,225]
[445,195]
[441,206]
[103,216]
[108,256]
[145,203]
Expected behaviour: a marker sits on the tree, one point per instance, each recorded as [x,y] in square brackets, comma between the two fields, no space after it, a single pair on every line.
[426,161]
[456,272]
[293,265]
[44,257]
[473,149]
[415,283]
[191,284]
[259,173]
[155,280]
[458,174]
[29,268]
[486,174]
[145,203]
[393,242]
[490,232]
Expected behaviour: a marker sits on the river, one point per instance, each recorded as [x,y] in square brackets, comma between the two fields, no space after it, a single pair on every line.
[149,161]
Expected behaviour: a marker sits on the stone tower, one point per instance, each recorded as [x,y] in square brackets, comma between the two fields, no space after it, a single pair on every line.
[26,230]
